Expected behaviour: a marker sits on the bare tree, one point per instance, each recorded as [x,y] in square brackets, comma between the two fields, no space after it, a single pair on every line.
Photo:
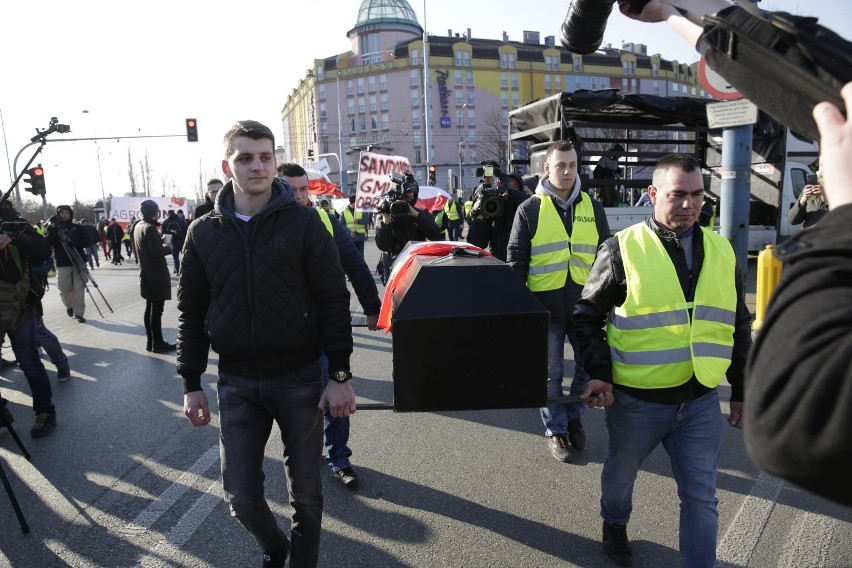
[131,173]
[492,140]
[147,182]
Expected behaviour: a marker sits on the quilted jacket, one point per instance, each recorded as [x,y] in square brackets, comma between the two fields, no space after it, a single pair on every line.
[265,296]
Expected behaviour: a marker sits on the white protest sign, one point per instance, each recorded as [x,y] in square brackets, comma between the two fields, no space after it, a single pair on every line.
[374,178]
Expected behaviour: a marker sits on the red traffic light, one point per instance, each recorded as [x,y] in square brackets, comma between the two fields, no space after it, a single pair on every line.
[191,130]
[37,171]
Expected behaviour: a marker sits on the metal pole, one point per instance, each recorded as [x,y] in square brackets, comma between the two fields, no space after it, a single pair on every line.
[342,161]
[98,154]
[427,96]
[736,189]
[5,143]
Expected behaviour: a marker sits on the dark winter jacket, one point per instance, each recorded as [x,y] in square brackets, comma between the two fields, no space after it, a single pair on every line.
[808,214]
[494,233]
[176,227]
[391,238]
[72,234]
[560,303]
[33,250]
[203,209]
[155,280]
[356,269]
[606,288]
[263,294]
[799,391]
[114,234]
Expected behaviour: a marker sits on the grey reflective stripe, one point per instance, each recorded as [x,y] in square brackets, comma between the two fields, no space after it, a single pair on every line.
[664,357]
[549,247]
[719,315]
[576,262]
[591,249]
[547,268]
[649,321]
[713,350]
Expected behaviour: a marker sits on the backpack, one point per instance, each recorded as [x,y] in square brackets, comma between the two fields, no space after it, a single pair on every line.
[784,64]
[13,295]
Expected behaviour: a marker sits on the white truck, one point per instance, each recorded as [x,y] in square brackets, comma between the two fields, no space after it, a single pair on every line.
[620,138]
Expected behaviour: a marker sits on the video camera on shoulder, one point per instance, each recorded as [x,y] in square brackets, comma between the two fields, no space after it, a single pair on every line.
[395,201]
[13,228]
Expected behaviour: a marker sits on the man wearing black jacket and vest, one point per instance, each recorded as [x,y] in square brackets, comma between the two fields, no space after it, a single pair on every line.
[554,239]
[261,284]
[213,187]
[662,321]
[66,237]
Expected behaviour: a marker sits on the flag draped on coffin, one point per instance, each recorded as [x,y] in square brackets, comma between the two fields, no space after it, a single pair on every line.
[319,184]
[432,198]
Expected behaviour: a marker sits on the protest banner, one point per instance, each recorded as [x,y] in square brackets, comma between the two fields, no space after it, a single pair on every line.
[123,209]
[374,178]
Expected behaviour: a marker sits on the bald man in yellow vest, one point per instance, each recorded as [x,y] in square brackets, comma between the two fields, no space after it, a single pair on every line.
[662,321]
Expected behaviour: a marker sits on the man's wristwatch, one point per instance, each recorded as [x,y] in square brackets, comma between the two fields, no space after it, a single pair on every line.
[342,376]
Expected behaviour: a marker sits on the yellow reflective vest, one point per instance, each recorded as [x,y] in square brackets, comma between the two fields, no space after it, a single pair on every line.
[352,221]
[659,340]
[554,254]
[452,210]
[323,215]
[468,205]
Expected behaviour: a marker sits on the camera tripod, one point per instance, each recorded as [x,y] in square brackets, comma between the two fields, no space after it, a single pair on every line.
[84,273]
[25,528]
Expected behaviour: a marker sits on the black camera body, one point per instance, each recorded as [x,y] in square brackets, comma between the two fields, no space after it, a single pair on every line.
[491,202]
[13,228]
[395,201]
[583,29]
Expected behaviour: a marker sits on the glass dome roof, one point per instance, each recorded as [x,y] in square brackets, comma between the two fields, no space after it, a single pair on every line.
[378,11]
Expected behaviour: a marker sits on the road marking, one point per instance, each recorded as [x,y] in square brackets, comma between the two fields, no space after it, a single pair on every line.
[169,547]
[740,540]
[809,542]
[164,502]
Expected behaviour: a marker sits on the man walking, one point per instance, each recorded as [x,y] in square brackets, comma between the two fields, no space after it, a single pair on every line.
[554,238]
[355,224]
[213,187]
[69,246]
[661,322]
[261,284]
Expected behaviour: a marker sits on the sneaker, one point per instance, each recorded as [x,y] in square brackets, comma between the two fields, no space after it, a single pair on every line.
[615,544]
[348,477]
[6,418]
[80,319]
[63,376]
[274,559]
[576,434]
[7,363]
[559,447]
[70,312]
[164,347]
[45,424]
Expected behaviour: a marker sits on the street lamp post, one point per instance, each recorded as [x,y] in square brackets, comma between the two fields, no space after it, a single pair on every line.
[341,160]
[461,143]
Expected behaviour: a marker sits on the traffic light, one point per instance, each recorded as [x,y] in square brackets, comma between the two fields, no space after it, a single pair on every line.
[432,171]
[35,181]
[191,130]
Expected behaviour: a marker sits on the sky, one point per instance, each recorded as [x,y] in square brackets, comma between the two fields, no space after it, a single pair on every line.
[142,68]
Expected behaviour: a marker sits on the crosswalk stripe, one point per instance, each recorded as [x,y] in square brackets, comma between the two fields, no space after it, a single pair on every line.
[738,544]
[808,543]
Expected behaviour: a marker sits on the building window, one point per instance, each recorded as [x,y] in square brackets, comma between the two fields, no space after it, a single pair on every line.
[413,75]
[546,84]
[415,99]
[363,123]
[459,98]
[515,100]
[320,73]
[604,82]
[473,156]
[503,82]
[578,65]
[415,119]
[324,128]
[629,68]
[360,85]
[351,125]
[417,159]
[515,81]
[633,85]
[384,102]
[693,91]
[557,79]
[416,137]
[458,75]
[507,61]
[471,117]
[373,122]
[656,87]
[350,88]
[353,140]
[466,58]
[371,83]
[551,63]
[362,107]
[414,56]
[655,69]
[624,84]
[385,121]
[458,58]
[470,98]
[504,99]
[321,92]
[470,78]
[459,117]
[374,138]
[594,83]
[322,109]
[383,82]
[351,108]
[471,137]
[373,103]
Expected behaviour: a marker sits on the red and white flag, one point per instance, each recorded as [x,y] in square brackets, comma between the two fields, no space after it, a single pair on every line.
[432,198]
[319,184]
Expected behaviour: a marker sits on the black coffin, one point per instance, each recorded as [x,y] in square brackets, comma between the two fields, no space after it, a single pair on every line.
[467,335]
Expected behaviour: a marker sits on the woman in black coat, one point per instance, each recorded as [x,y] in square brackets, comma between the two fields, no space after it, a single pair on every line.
[155,282]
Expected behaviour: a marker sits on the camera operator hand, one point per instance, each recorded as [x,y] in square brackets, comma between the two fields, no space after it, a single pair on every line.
[836,147]
[5,240]
[810,191]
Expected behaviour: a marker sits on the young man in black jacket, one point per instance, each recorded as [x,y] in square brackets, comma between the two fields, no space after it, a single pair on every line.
[261,284]
[69,242]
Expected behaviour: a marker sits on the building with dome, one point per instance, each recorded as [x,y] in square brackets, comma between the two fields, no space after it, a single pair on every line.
[373,97]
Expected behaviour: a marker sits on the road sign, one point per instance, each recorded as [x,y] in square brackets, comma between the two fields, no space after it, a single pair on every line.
[731,113]
[715,84]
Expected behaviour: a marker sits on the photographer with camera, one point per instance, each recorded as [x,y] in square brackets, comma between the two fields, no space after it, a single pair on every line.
[493,211]
[401,222]
[811,205]
[66,237]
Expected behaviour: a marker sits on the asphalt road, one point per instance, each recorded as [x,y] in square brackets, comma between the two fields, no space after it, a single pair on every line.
[125,480]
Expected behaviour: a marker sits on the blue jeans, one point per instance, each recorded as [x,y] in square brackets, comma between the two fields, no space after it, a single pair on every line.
[45,338]
[557,416]
[335,432]
[247,409]
[25,346]
[691,433]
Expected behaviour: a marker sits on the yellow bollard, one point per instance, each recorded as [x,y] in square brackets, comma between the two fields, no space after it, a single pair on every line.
[768,275]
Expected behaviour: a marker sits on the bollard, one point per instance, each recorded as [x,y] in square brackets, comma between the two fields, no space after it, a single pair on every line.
[768,275]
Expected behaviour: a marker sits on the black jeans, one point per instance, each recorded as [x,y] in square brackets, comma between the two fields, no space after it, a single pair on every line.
[154,322]
[247,409]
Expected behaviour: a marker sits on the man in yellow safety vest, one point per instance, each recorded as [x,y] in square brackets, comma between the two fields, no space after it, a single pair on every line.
[661,322]
[356,225]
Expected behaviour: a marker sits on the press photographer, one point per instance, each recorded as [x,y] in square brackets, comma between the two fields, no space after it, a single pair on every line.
[493,210]
[62,232]
[401,222]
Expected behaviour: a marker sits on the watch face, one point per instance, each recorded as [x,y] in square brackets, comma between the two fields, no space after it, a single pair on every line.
[342,376]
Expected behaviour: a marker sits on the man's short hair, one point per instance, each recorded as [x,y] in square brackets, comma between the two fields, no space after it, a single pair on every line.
[351,199]
[292,170]
[249,129]
[684,162]
[560,146]
[214,181]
